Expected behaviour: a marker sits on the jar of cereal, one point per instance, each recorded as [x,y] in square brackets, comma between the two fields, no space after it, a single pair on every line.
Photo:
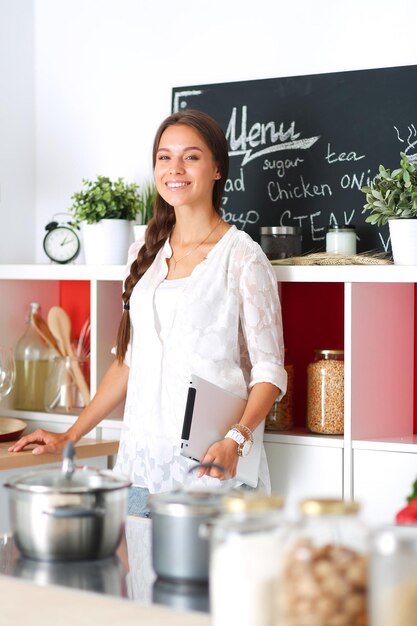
[281,416]
[325,393]
[324,567]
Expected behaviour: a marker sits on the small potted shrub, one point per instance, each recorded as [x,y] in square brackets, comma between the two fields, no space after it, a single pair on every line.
[106,211]
[392,198]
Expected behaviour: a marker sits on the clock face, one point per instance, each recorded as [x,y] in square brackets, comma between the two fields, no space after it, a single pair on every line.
[61,244]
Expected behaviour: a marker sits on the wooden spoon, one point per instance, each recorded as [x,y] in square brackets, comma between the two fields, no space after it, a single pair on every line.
[60,325]
[43,329]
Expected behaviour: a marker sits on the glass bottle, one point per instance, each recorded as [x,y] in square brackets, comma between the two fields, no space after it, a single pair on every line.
[244,563]
[324,567]
[281,415]
[31,367]
[325,392]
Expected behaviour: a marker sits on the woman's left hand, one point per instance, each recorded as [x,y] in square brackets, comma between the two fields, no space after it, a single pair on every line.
[224,453]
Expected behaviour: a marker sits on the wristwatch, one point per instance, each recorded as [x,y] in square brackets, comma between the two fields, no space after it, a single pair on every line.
[244,445]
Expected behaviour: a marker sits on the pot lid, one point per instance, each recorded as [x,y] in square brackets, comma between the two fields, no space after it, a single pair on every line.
[68,479]
[82,480]
[183,503]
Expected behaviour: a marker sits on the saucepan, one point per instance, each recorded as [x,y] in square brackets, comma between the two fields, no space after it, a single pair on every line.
[179,551]
[70,513]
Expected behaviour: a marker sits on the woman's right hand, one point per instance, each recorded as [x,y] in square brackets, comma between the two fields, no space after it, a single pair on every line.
[50,442]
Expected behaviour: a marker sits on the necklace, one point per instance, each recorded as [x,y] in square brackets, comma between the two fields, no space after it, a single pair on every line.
[176,261]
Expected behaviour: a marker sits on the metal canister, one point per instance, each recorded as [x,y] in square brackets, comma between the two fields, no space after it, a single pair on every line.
[281,242]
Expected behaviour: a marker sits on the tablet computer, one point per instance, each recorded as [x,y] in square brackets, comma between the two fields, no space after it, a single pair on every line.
[210,412]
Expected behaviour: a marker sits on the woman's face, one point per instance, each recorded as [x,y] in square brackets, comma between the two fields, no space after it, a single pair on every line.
[185,170]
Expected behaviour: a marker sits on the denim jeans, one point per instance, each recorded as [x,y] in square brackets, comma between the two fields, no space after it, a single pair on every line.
[137,504]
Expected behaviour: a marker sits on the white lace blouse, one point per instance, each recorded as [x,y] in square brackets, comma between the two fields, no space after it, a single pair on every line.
[226,328]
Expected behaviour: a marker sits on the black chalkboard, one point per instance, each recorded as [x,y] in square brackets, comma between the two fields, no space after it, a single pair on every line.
[302,147]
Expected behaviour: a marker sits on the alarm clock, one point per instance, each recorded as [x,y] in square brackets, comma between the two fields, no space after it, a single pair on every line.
[61,242]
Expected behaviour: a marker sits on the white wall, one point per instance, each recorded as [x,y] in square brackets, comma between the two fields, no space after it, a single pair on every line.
[105,69]
[17,132]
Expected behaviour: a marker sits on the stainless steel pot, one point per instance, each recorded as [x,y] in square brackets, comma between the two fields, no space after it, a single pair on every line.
[179,550]
[67,514]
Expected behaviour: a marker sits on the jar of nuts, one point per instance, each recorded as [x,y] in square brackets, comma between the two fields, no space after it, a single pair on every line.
[324,567]
[281,416]
[325,393]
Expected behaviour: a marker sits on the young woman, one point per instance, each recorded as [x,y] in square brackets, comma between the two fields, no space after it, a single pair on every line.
[200,298]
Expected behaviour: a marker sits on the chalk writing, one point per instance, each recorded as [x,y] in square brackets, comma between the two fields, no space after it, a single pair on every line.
[302,190]
[333,157]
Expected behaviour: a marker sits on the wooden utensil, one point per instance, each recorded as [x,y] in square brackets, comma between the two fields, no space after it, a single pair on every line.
[43,329]
[60,325]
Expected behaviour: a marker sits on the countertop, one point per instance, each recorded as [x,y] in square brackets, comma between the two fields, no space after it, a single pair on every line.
[84,449]
[123,587]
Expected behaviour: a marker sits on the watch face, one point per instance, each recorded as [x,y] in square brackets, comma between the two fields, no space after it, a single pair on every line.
[61,244]
[246,448]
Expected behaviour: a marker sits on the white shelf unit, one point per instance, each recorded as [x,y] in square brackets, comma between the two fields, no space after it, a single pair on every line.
[378,331]
[22,284]
[379,376]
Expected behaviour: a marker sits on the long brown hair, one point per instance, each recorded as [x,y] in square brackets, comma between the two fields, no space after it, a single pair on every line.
[163,220]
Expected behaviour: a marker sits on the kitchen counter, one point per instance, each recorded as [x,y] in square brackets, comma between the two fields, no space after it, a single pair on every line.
[123,587]
[84,449]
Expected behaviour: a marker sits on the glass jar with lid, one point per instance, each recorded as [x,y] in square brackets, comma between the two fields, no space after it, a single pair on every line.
[325,392]
[281,415]
[244,563]
[393,576]
[281,242]
[341,240]
[324,566]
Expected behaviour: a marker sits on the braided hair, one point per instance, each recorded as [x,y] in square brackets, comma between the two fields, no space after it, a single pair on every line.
[163,221]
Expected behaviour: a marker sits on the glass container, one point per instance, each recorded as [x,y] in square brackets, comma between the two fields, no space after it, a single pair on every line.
[62,395]
[324,567]
[244,564]
[31,357]
[281,242]
[393,576]
[325,392]
[341,240]
[281,415]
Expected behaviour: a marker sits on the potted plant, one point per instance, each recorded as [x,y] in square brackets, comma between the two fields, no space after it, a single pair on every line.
[106,211]
[147,198]
[392,198]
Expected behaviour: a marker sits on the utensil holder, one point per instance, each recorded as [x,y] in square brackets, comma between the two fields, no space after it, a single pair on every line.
[62,394]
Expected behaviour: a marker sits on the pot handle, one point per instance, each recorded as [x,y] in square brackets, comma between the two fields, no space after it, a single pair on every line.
[69,511]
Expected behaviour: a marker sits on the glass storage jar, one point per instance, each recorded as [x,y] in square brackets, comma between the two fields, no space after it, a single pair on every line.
[341,240]
[281,415]
[324,567]
[281,242]
[325,392]
[244,563]
[393,576]
[62,394]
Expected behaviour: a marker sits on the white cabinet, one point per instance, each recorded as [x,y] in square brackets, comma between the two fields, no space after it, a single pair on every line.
[22,284]
[375,322]
[301,469]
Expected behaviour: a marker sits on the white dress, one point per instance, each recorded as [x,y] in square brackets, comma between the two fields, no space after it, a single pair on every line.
[226,327]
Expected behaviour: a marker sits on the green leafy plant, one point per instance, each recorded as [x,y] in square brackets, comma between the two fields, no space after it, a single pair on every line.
[104,199]
[392,194]
[148,195]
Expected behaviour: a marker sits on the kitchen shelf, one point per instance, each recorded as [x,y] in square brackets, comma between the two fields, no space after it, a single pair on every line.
[357,306]
[298,437]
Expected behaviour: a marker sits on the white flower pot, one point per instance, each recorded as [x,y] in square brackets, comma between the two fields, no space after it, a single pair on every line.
[139,231]
[107,242]
[403,234]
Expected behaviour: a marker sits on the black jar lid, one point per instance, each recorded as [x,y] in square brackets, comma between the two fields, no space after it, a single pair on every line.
[280,230]
[341,227]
